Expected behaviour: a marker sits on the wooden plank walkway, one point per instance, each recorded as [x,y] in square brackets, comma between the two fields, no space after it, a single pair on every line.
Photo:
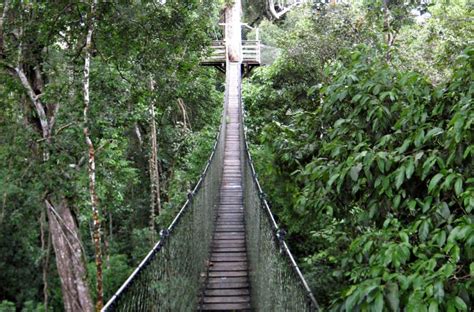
[227,285]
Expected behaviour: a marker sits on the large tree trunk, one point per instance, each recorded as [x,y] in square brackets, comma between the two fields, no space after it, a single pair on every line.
[234,30]
[45,237]
[62,225]
[91,163]
[155,200]
[69,257]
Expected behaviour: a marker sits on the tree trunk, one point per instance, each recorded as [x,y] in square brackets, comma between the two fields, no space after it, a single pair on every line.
[186,122]
[69,257]
[46,249]
[91,163]
[234,30]
[155,200]
[389,36]
[62,225]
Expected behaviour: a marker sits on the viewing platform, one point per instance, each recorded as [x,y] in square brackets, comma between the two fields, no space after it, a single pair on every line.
[250,52]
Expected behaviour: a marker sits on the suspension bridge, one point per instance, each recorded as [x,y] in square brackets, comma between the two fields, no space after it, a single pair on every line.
[224,250]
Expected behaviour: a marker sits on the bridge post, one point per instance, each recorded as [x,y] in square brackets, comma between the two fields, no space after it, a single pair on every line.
[233,32]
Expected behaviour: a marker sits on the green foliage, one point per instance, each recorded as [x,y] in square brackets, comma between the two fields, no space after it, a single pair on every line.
[388,189]
[7,306]
[432,45]
[31,306]
[197,147]
[116,270]
[369,166]
[132,44]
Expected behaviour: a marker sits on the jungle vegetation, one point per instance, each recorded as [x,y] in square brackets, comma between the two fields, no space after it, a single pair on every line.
[360,126]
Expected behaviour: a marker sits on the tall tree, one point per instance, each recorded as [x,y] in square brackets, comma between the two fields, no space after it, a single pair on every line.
[91,163]
[23,58]
[45,53]
[155,200]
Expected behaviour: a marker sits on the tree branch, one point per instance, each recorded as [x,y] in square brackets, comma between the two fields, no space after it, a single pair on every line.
[6,7]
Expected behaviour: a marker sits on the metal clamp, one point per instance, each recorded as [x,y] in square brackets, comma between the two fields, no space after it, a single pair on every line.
[281,233]
[164,233]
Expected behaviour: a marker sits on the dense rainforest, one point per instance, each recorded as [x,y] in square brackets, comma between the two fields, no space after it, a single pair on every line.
[360,125]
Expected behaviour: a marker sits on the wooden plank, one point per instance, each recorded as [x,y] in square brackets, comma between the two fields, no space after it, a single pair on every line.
[226,299]
[230,210]
[228,242]
[228,266]
[236,206]
[232,200]
[225,306]
[229,249]
[235,220]
[223,221]
[226,230]
[231,254]
[228,273]
[236,216]
[226,285]
[228,222]
[230,225]
[234,211]
[226,292]
[231,196]
[228,258]
[229,235]
[226,279]
[231,216]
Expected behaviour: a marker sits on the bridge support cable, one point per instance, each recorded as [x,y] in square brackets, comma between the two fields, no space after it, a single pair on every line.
[170,276]
[277,283]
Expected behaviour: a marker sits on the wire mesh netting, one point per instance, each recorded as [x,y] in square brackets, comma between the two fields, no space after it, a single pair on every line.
[277,283]
[170,276]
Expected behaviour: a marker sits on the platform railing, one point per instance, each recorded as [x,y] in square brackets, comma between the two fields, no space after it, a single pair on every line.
[250,51]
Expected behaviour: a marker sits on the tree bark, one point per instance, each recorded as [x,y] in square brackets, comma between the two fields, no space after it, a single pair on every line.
[91,163]
[6,6]
[389,36]
[46,249]
[186,122]
[155,200]
[234,30]
[69,257]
